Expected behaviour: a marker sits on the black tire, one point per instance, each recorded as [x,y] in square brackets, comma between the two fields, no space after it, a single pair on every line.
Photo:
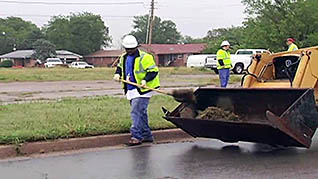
[216,71]
[238,68]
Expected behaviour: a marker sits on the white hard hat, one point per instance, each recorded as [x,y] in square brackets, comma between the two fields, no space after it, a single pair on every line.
[225,43]
[129,41]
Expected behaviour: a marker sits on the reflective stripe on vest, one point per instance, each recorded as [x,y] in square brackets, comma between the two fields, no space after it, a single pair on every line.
[141,68]
[140,71]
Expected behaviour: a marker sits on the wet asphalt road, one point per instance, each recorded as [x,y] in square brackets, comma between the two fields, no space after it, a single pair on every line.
[203,158]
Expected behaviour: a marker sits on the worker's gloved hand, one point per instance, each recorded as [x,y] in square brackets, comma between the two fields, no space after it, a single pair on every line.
[128,78]
[143,83]
[117,77]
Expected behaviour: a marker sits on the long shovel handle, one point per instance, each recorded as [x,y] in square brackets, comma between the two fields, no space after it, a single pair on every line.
[140,86]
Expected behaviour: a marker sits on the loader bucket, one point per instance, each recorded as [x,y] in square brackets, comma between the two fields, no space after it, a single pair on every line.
[285,117]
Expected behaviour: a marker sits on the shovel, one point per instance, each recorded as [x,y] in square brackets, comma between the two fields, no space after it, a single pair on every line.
[182,95]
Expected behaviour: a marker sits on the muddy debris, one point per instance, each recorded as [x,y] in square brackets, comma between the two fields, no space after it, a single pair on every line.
[215,113]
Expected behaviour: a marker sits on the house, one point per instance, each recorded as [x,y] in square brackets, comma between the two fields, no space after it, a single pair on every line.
[23,57]
[164,54]
[173,54]
[68,57]
[103,58]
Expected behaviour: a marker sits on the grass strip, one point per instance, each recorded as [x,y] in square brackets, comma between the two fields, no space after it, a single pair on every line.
[67,74]
[73,117]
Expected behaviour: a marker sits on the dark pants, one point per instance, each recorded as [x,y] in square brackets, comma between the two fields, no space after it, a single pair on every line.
[224,75]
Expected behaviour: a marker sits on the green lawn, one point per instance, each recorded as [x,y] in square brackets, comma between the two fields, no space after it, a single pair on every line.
[54,74]
[87,116]
[74,118]
[66,74]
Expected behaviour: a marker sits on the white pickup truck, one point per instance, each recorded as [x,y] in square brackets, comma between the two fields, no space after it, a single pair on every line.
[199,60]
[240,60]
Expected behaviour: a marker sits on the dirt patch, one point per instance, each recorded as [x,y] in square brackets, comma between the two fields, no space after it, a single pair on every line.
[215,113]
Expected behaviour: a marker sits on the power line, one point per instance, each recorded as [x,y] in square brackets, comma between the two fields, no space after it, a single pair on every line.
[72,3]
[108,16]
[43,15]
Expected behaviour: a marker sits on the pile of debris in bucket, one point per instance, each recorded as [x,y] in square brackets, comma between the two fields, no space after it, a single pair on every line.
[215,113]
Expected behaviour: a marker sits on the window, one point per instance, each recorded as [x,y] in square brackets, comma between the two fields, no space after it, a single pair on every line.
[244,52]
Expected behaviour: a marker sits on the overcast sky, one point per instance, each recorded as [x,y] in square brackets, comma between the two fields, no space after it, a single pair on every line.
[192,17]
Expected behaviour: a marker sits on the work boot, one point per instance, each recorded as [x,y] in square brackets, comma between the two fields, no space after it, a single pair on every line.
[148,140]
[133,142]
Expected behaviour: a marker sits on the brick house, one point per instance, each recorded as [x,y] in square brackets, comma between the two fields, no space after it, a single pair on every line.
[164,54]
[173,54]
[22,58]
[103,58]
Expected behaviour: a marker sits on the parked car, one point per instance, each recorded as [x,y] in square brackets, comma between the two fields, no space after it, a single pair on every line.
[81,65]
[240,60]
[52,62]
[199,60]
[243,57]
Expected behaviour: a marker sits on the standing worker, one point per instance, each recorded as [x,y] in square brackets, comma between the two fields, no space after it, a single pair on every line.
[138,67]
[224,63]
[291,45]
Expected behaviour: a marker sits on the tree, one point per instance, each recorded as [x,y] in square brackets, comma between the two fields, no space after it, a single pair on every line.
[164,32]
[188,40]
[43,49]
[270,23]
[15,33]
[81,33]
[214,37]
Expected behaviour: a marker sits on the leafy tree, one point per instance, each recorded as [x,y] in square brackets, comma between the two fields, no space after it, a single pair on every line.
[43,49]
[187,39]
[270,22]
[81,33]
[164,32]
[214,37]
[17,33]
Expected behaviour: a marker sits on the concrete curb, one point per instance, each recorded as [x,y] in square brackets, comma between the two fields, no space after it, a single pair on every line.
[161,136]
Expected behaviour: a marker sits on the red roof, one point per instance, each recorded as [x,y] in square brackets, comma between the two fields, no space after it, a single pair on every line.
[106,53]
[174,48]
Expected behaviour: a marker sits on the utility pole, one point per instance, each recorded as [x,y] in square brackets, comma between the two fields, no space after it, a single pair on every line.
[148,26]
[151,21]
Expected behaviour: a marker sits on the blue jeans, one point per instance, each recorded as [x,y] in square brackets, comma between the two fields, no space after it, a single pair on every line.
[140,127]
[224,75]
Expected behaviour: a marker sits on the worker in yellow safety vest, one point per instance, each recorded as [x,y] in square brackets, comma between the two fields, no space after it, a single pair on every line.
[291,45]
[138,67]
[224,63]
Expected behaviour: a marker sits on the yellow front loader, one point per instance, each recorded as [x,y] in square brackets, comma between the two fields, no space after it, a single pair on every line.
[276,104]
[296,69]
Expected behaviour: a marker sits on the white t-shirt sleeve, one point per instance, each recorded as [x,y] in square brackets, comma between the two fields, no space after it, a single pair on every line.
[131,94]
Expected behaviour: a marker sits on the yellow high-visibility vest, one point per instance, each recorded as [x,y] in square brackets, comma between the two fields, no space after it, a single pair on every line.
[143,63]
[292,47]
[226,57]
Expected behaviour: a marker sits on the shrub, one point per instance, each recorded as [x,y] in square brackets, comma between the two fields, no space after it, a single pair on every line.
[6,64]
